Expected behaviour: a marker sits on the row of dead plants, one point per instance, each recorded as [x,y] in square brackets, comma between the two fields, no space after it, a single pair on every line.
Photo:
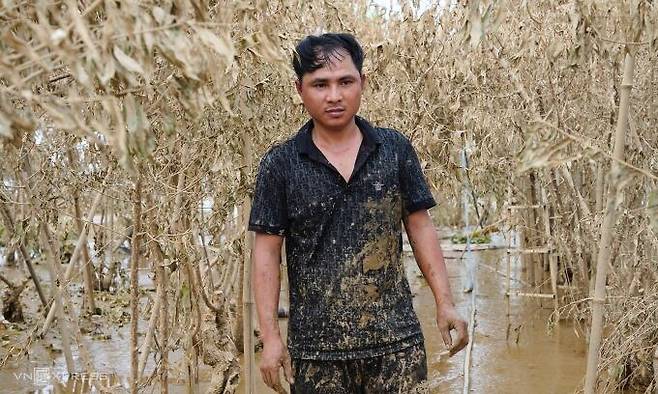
[138,126]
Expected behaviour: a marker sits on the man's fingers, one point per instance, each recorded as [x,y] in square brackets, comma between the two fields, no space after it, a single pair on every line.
[271,378]
[445,334]
[462,338]
[266,377]
[276,383]
[287,369]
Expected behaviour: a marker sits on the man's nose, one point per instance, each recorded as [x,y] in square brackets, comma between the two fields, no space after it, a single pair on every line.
[334,94]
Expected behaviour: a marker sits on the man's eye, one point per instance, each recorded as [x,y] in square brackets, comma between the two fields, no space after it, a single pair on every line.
[319,85]
[345,83]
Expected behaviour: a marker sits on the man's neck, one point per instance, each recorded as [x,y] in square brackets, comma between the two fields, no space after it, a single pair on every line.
[335,138]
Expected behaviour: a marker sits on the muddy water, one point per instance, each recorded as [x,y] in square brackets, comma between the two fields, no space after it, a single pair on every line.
[530,361]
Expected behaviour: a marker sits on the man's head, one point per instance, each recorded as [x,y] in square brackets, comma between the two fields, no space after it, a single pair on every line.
[330,78]
[314,52]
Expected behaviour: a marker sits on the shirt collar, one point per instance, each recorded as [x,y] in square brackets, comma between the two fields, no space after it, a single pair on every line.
[306,146]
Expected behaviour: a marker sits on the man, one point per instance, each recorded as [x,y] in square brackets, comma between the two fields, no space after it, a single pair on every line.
[338,192]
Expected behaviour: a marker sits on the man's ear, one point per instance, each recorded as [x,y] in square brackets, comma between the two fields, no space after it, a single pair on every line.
[298,85]
[363,81]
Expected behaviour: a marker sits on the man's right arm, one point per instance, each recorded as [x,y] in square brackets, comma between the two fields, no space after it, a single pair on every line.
[266,260]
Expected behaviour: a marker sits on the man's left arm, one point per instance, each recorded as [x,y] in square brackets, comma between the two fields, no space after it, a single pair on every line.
[424,241]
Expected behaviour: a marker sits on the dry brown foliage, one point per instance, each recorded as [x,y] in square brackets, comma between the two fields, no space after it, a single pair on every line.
[184,96]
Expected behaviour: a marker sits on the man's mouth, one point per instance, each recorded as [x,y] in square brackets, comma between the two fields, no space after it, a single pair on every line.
[335,111]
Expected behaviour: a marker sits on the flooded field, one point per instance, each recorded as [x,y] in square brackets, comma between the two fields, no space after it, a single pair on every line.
[530,360]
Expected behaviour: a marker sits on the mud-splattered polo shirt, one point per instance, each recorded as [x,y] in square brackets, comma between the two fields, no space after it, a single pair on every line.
[349,295]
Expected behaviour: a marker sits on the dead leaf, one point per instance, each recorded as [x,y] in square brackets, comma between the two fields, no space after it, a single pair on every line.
[127,62]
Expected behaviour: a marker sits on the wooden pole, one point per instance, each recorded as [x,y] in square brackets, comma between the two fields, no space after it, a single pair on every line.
[603,259]
[87,265]
[655,368]
[63,298]
[508,255]
[469,347]
[55,273]
[134,285]
[109,255]
[552,258]
[82,239]
[247,316]
[150,332]
[163,328]
[247,294]
[471,284]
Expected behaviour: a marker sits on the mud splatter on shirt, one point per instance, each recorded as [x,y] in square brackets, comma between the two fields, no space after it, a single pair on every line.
[349,296]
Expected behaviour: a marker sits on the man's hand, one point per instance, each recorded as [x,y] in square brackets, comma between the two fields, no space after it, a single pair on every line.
[275,356]
[448,319]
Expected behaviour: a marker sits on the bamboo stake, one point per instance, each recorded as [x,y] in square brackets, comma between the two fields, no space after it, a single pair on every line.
[55,273]
[82,239]
[537,261]
[470,264]
[146,345]
[655,369]
[247,317]
[552,259]
[471,271]
[64,296]
[469,347]
[190,351]
[110,243]
[603,260]
[87,266]
[163,328]
[158,314]
[247,294]
[134,289]
[508,255]
[87,263]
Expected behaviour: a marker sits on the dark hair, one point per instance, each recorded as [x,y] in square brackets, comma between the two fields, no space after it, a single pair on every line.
[314,52]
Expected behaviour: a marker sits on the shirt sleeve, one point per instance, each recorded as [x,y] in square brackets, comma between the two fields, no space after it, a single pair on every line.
[268,209]
[416,194]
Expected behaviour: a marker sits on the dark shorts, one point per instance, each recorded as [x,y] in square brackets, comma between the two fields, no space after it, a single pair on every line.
[400,372]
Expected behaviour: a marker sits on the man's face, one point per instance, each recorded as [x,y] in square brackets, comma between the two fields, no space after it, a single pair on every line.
[332,94]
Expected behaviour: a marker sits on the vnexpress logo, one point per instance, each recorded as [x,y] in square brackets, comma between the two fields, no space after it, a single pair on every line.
[41,376]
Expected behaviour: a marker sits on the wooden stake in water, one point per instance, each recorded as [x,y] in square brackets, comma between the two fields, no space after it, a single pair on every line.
[134,287]
[603,260]
[470,270]
[247,316]
[247,293]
